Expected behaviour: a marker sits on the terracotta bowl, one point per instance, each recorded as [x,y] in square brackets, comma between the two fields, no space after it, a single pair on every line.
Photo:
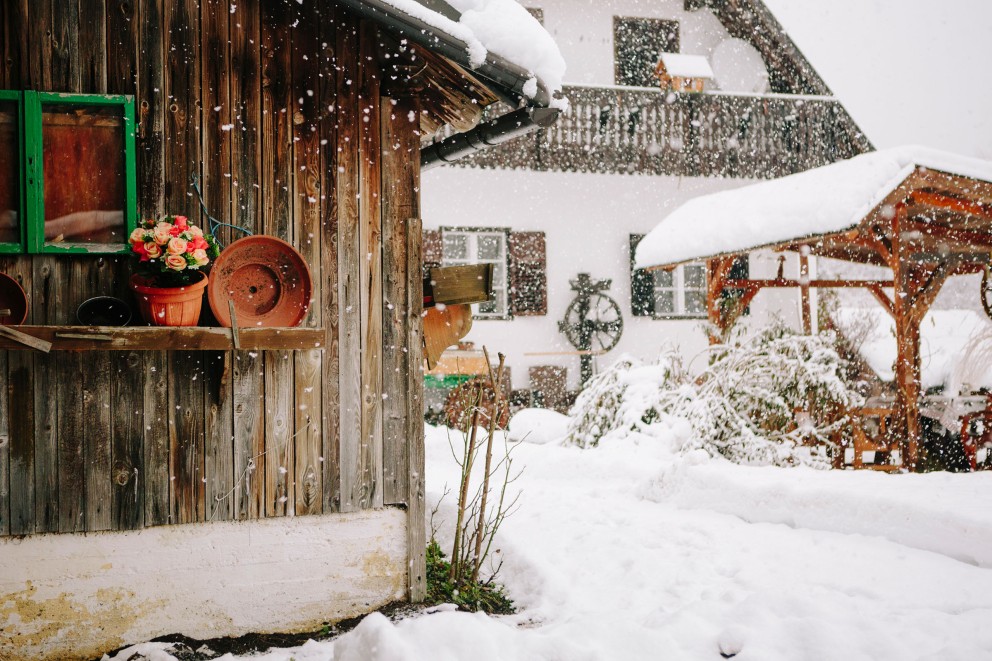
[12,298]
[266,278]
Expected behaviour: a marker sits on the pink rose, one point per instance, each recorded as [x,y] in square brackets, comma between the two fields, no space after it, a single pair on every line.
[177,246]
[153,250]
[195,231]
[137,236]
[161,235]
[175,262]
[201,257]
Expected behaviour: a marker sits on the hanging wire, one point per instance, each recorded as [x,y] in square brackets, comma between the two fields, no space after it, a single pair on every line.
[212,223]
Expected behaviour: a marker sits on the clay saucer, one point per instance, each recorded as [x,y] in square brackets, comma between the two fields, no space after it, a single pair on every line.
[266,278]
[12,298]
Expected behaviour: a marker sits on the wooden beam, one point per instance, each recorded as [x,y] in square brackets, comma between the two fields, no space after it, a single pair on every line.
[157,338]
[804,285]
[815,283]
[950,202]
[879,293]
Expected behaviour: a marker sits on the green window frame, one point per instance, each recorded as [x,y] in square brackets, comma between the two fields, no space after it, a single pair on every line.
[31,219]
[9,247]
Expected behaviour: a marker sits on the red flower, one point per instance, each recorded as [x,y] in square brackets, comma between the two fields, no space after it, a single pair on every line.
[198,243]
[182,222]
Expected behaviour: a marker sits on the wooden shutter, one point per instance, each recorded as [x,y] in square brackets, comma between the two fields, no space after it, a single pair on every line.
[432,248]
[641,284]
[528,274]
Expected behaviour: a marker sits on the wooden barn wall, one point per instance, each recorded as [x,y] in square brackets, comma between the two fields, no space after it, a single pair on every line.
[274,106]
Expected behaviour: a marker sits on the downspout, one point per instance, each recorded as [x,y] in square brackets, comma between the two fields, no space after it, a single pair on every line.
[487,134]
[508,80]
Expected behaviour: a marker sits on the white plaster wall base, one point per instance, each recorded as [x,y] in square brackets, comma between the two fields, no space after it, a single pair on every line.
[78,596]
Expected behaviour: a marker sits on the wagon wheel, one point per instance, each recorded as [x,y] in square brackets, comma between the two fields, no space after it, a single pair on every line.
[986,292]
[593,323]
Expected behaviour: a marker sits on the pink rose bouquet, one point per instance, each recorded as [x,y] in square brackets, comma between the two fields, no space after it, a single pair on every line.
[171,251]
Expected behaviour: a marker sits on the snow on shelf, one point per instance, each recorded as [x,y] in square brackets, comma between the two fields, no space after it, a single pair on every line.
[824,200]
[686,66]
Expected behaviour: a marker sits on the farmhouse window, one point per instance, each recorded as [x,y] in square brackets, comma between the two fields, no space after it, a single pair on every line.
[519,266]
[677,293]
[67,172]
[636,45]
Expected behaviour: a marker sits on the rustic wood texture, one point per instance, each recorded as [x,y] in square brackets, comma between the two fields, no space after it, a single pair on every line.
[275,108]
[308,476]
[151,338]
[349,265]
[370,276]
[277,220]
[327,294]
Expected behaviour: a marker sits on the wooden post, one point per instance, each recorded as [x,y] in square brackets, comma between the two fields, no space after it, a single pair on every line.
[804,296]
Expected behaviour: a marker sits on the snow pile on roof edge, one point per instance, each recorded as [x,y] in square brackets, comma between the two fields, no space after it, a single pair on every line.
[828,199]
[502,27]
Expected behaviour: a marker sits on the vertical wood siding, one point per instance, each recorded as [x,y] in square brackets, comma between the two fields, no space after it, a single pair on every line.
[269,107]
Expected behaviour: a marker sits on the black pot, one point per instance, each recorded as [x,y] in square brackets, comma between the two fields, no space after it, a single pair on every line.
[104,311]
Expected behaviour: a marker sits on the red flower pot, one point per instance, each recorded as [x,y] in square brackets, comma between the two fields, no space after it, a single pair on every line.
[169,306]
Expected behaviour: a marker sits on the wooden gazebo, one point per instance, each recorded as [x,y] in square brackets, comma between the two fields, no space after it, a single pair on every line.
[923,214]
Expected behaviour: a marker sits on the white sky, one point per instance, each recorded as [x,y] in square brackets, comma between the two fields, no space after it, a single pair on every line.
[908,71]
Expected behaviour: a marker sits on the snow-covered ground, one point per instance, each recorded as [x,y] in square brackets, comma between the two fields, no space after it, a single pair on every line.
[627,551]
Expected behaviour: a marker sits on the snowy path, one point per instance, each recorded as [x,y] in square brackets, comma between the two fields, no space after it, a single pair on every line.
[627,552]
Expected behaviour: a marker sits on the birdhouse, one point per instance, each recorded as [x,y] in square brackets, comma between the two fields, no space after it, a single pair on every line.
[682,73]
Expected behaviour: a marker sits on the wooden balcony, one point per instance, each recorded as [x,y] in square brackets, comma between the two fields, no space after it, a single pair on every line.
[645,131]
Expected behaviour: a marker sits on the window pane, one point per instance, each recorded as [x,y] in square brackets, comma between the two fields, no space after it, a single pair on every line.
[83,174]
[664,302]
[695,276]
[499,275]
[695,302]
[9,173]
[489,246]
[663,278]
[454,246]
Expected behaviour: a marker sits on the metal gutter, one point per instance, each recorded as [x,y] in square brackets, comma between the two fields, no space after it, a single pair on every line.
[507,78]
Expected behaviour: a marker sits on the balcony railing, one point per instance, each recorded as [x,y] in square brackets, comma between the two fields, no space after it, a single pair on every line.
[645,131]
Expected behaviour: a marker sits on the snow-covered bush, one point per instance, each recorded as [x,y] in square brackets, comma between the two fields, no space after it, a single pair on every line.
[777,397]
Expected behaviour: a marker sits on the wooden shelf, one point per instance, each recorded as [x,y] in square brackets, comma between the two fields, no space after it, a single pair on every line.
[159,338]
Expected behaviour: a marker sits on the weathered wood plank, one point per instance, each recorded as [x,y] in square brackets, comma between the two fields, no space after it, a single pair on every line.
[127,432]
[69,434]
[248,366]
[157,417]
[398,205]
[92,43]
[21,390]
[182,161]
[219,439]
[64,40]
[279,465]
[330,376]
[5,495]
[276,179]
[22,396]
[152,106]
[370,283]
[249,435]
[121,34]
[349,261]
[97,439]
[306,229]
[216,187]
[14,65]
[40,27]
[416,504]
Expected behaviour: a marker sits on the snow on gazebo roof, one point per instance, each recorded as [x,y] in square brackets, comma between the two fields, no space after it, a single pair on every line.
[686,66]
[826,200]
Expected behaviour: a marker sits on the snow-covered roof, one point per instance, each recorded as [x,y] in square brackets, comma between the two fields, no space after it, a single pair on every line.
[825,200]
[686,66]
[492,27]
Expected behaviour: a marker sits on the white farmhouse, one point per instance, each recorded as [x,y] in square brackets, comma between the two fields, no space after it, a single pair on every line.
[576,198]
